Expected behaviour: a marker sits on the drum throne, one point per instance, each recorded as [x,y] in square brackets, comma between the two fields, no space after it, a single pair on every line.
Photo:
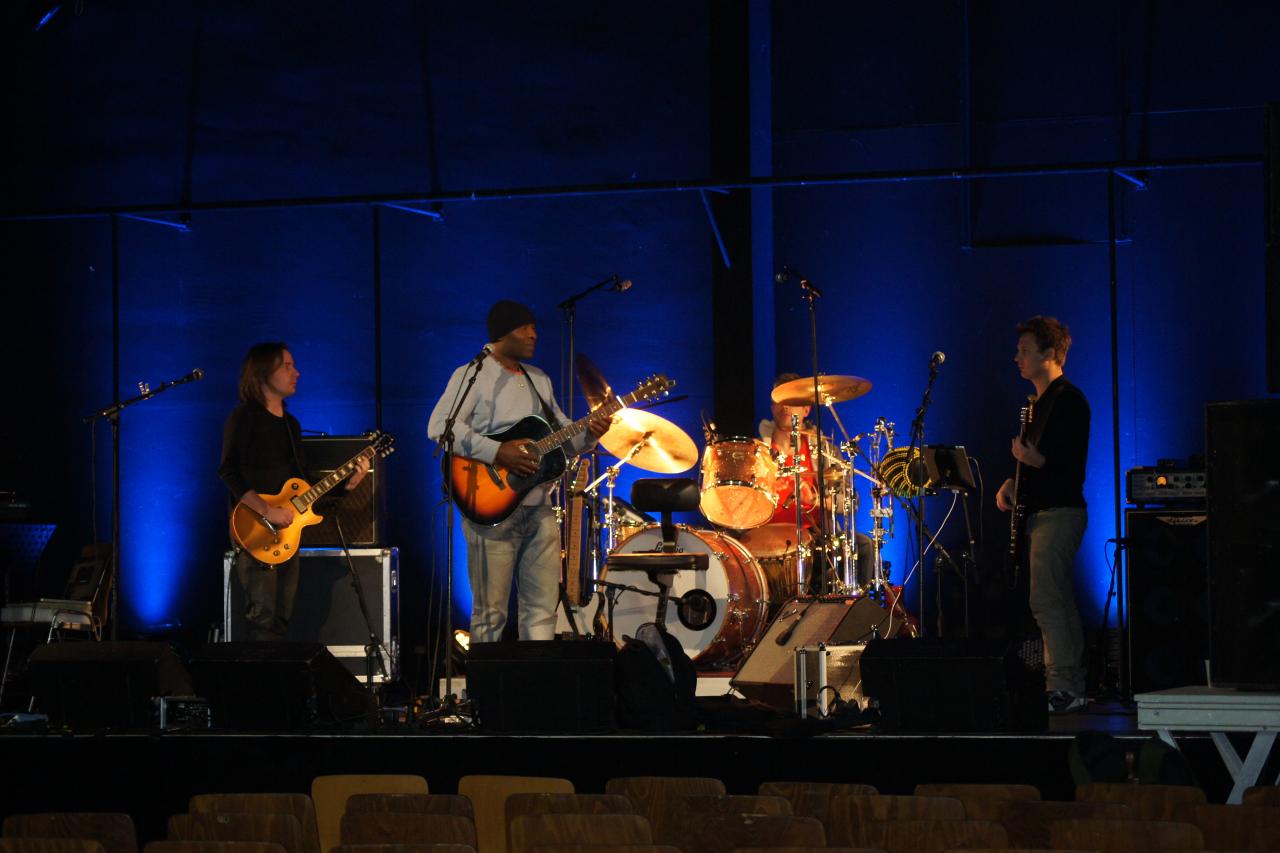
[662,496]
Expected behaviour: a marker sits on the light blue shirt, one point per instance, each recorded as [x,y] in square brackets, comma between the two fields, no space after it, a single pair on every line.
[498,400]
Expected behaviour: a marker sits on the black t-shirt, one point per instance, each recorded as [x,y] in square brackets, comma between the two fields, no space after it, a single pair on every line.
[260,451]
[1060,430]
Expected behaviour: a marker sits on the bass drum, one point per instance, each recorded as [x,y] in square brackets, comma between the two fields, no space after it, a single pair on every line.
[733,578]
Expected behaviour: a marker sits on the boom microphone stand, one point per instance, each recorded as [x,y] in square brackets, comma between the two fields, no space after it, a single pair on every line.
[916,447]
[112,414]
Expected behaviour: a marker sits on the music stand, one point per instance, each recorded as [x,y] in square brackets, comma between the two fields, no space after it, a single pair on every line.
[948,468]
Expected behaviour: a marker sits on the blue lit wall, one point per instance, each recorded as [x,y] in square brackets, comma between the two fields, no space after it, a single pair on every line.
[277,104]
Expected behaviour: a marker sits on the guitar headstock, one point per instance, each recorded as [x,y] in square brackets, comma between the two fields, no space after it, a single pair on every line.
[381,444]
[655,387]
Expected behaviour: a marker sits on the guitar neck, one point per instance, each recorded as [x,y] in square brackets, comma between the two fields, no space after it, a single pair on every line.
[336,476]
[551,442]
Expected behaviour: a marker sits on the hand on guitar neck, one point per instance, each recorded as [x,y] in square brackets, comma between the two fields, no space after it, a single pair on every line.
[1004,497]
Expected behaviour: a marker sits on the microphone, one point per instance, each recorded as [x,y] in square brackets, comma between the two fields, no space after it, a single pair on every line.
[622,286]
[787,274]
[193,376]
[937,359]
[484,353]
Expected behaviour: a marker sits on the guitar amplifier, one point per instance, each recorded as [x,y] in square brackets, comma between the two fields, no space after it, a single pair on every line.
[326,609]
[1164,486]
[361,510]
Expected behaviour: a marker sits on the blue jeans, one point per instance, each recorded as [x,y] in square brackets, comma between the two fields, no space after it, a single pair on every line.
[526,546]
[1053,537]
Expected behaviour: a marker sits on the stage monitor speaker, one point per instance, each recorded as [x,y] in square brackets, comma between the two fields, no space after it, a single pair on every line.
[1242,478]
[768,673]
[278,687]
[543,685]
[89,685]
[361,511]
[944,685]
[1168,553]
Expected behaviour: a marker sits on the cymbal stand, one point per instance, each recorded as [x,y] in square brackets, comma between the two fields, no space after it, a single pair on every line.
[794,470]
[611,475]
[881,503]
[848,536]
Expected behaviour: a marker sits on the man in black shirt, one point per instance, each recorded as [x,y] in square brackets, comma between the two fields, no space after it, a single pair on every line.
[1053,457]
[261,449]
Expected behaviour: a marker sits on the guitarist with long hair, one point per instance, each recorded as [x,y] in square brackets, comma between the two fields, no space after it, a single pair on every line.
[524,546]
[261,449]
[1052,456]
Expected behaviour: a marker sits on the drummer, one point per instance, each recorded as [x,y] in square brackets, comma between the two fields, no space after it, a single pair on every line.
[776,432]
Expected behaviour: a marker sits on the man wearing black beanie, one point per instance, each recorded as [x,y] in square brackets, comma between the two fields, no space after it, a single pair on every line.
[525,546]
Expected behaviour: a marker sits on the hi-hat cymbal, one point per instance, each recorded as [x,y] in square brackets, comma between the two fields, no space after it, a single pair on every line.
[594,386]
[831,389]
[664,447]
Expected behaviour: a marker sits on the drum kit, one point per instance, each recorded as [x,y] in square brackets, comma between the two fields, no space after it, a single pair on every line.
[763,545]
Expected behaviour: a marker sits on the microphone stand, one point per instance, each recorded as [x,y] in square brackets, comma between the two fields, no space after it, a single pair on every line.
[446,485]
[916,446]
[112,415]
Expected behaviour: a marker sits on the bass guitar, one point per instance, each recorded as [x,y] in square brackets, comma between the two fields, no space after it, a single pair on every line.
[1018,516]
[273,545]
[487,493]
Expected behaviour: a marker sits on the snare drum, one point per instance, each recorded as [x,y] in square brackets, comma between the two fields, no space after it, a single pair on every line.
[737,481]
[733,578]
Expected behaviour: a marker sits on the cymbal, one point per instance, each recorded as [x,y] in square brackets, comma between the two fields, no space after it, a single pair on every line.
[831,389]
[594,386]
[664,447]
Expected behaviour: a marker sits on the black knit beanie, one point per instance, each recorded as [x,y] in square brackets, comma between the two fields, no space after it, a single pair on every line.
[506,315]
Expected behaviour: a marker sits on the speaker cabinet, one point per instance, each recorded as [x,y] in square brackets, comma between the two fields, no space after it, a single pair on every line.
[543,685]
[1242,476]
[768,673]
[1168,554]
[361,510]
[273,687]
[944,685]
[88,685]
[327,610]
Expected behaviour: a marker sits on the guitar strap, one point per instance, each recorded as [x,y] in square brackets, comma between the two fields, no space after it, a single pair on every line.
[1040,416]
[547,411]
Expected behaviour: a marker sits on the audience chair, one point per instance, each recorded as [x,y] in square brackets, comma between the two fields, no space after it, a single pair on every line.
[1124,836]
[1237,827]
[397,828]
[330,795]
[50,845]
[212,847]
[404,848]
[539,830]
[488,795]
[850,815]
[114,831]
[282,829]
[607,848]
[649,794]
[981,802]
[454,804]
[680,815]
[934,836]
[723,833]
[1148,802]
[298,805]
[813,799]
[1027,821]
[1262,795]
[527,804]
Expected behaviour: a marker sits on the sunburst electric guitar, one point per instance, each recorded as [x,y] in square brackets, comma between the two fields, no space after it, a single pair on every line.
[273,545]
[488,493]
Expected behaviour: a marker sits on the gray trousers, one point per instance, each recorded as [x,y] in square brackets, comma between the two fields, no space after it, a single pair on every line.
[269,593]
[525,547]
[1053,537]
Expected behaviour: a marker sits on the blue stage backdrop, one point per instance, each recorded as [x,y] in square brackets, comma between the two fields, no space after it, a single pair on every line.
[130,104]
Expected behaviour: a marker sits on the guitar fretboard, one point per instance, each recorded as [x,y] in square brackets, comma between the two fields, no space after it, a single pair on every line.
[336,476]
[551,442]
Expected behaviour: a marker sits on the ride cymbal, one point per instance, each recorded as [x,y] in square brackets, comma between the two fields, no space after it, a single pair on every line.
[664,447]
[831,389]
